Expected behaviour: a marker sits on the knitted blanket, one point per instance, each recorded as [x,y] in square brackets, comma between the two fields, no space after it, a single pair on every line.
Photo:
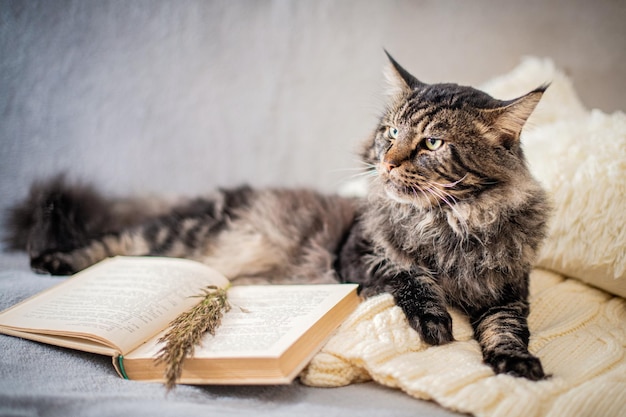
[578,331]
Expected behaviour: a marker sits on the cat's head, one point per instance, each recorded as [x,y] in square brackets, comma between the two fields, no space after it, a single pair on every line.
[439,144]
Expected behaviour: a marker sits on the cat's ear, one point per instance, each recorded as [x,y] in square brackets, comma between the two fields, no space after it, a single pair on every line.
[399,80]
[512,115]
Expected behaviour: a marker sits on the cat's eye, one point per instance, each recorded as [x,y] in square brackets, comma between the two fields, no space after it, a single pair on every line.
[433,143]
[392,132]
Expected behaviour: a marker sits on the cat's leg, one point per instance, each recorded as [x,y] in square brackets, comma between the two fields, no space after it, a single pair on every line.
[502,332]
[171,235]
[415,292]
[422,302]
[183,232]
[128,242]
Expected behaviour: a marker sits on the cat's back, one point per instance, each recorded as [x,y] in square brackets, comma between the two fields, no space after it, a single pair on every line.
[283,235]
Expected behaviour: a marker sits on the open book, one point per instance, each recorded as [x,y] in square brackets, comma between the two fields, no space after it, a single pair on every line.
[121,306]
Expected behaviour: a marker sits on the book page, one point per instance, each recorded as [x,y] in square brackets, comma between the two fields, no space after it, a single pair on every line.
[120,302]
[264,320]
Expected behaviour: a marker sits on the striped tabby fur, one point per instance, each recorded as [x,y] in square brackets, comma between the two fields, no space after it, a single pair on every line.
[453,218]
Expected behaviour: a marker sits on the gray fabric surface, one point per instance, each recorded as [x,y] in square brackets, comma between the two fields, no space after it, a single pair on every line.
[43,380]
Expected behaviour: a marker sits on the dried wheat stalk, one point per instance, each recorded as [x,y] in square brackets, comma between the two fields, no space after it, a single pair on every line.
[187,330]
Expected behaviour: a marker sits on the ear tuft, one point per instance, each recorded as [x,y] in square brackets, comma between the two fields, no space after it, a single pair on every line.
[513,115]
[399,80]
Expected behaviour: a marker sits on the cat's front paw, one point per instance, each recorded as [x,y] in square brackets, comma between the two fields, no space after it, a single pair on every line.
[54,263]
[519,365]
[435,329]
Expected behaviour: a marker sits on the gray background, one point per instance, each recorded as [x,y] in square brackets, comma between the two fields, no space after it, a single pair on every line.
[183,96]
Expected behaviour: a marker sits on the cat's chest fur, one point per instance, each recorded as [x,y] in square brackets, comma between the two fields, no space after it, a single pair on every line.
[464,258]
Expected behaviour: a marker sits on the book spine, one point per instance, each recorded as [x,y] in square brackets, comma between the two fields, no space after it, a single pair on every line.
[118,364]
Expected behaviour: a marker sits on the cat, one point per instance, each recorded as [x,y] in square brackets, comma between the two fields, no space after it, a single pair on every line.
[452,218]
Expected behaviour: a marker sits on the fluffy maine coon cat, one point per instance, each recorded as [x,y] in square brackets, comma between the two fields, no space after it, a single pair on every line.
[453,217]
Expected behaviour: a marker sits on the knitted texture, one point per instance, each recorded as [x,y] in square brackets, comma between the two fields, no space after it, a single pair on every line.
[577,331]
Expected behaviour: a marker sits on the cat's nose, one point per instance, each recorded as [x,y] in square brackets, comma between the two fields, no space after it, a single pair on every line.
[390,163]
[389,166]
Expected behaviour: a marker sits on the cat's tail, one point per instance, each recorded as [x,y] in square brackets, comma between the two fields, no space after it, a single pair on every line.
[60,215]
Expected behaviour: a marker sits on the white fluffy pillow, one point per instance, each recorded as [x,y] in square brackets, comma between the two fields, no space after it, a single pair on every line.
[582,162]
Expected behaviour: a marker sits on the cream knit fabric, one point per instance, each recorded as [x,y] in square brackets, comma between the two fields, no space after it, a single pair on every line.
[578,332]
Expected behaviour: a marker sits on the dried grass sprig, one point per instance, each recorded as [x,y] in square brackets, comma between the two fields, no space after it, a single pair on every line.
[187,330]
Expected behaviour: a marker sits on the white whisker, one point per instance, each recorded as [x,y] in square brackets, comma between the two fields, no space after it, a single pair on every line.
[444,196]
[362,174]
[415,189]
[451,184]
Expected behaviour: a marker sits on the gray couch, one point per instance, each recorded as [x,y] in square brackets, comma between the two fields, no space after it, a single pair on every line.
[180,97]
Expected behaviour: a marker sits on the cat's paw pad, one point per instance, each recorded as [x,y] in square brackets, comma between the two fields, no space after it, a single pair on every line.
[54,263]
[435,329]
[521,365]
